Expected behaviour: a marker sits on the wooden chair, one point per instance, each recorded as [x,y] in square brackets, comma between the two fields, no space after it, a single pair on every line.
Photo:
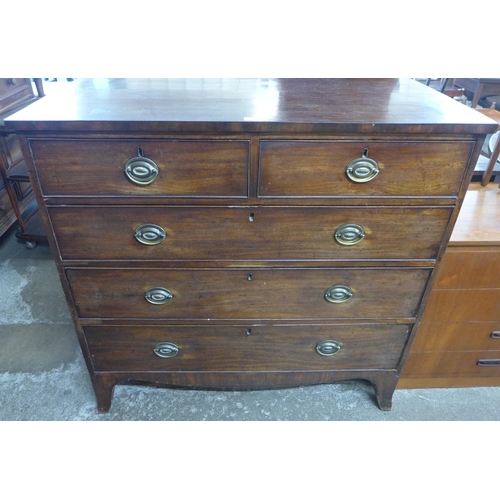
[494,115]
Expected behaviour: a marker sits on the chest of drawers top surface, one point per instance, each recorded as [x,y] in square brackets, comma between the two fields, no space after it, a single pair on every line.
[251,105]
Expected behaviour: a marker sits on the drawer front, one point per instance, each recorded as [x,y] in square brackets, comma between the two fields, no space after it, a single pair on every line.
[472,269]
[10,151]
[461,306]
[233,348]
[477,336]
[13,91]
[248,294]
[194,168]
[249,233]
[318,169]
[452,364]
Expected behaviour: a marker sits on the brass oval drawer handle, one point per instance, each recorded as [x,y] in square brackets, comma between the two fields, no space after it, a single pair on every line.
[141,170]
[362,170]
[150,234]
[327,347]
[349,234]
[488,362]
[338,293]
[158,295]
[165,349]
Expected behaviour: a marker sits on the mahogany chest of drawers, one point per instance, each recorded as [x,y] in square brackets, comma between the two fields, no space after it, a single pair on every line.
[248,234]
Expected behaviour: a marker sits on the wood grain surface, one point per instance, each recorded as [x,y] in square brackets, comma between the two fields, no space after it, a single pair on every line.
[231,348]
[248,233]
[223,294]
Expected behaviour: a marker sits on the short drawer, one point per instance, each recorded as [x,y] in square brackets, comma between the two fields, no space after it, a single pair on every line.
[452,364]
[249,348]
[208,294]
[212,168]
[474,336]
[248,233]
[318,168]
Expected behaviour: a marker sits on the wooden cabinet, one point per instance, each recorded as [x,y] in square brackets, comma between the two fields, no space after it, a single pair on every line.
[17,201]
[248,234]
[458,344]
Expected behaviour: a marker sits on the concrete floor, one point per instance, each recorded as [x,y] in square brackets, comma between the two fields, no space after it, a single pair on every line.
[43,376]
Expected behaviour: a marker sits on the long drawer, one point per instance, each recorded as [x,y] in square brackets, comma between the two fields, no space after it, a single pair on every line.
[248,233]
[208,294]
[236,348]
[405,168]
[193,168]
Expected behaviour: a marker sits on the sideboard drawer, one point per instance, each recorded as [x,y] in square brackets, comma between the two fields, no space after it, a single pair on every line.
[242,348]
[461,306]
[208,294]
[473,269]
[453,364]
[470,336]
[197,168]
[248,233]
[318,168]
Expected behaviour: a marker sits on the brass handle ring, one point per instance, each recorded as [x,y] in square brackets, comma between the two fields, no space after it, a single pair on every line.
[165,349]
[362,170]
[349,234]
[141,170]
[158,295]
[338,293]
[150,234]
[327,347]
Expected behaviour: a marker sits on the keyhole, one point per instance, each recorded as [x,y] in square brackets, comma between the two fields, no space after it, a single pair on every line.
[139,152]
[365,152]
[249,331]
[250,277]
[251,217]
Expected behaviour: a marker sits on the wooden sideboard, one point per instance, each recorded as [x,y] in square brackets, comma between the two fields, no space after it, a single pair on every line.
[458,344]
[248,233]
[17,200]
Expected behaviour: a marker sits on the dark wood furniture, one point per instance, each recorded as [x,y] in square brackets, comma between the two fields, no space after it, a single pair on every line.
[17,201]
[458,343]
[248,233]
[494,115]
[443,85]
[479,87]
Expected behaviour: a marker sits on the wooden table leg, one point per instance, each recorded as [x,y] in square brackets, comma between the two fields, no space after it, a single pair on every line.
[477,95]
[39,86]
